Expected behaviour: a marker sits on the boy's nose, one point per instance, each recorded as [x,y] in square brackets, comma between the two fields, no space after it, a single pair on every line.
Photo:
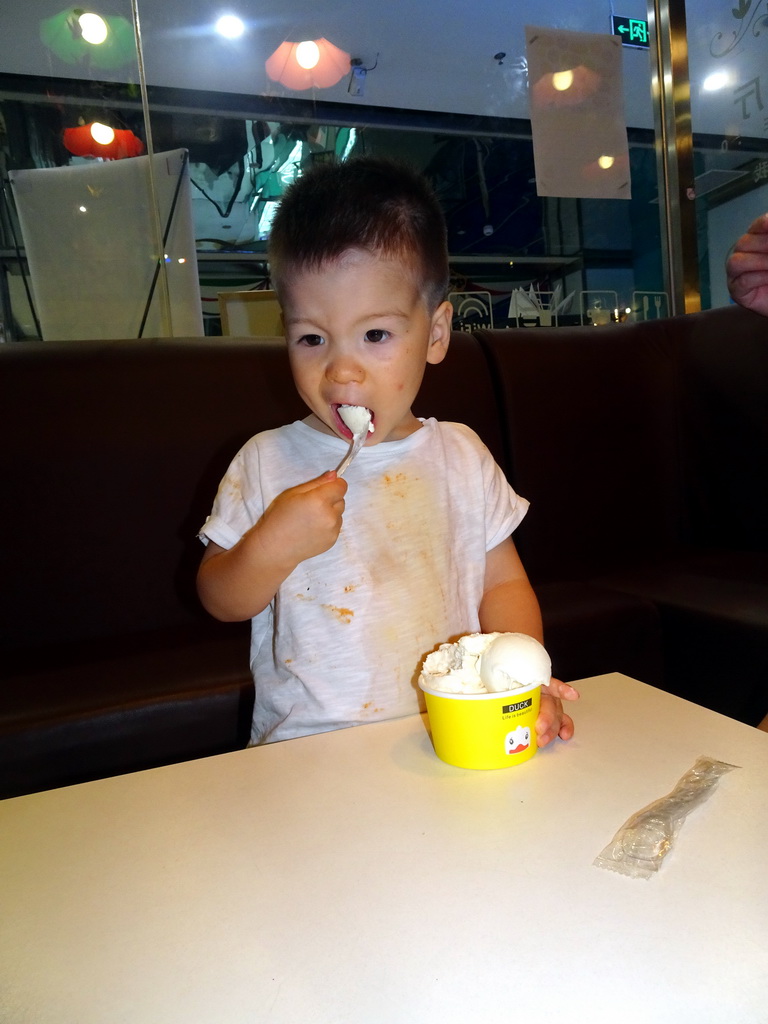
[344,370]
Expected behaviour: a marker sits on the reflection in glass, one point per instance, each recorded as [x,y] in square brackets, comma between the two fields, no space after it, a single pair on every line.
[249,136]
[729,114]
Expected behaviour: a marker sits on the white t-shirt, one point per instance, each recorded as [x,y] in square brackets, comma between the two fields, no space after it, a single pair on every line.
[343,640]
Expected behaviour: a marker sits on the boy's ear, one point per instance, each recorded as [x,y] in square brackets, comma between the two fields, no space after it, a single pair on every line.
[440,333]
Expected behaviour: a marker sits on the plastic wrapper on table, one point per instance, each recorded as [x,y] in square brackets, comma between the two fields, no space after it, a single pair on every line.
[639,847]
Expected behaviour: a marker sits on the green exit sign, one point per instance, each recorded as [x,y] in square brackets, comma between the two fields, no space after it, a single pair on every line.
[633,31]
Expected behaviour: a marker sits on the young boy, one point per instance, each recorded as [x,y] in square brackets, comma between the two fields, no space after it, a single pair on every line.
[350,582]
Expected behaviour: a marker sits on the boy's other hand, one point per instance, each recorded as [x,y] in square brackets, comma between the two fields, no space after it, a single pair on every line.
[747,267]
[305,520]
[552,720]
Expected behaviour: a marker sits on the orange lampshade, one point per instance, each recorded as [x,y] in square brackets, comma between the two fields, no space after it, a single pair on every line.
[284,67]
[80,142]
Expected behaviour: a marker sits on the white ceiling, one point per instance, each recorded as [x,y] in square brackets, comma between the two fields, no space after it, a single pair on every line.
[432,54]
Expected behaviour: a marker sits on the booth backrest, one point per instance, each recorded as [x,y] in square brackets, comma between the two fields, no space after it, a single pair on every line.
[593,443]
[131,439]
[635,440]
[725,408]
[633,443]
[111,457]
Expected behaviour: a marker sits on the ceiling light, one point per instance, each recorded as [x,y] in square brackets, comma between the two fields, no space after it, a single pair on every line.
[102,133]
[566,88]
[311,64]
[606,162]
[717,80]
[99,139]
[77,36]
[230,26]
[307,54]
[93,28]
[562,80]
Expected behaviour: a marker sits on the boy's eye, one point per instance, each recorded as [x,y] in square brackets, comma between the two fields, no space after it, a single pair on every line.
[376,335]
[311,340]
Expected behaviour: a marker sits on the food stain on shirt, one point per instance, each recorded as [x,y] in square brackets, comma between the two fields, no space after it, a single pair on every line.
[395,483]
[342,614]
[232,489]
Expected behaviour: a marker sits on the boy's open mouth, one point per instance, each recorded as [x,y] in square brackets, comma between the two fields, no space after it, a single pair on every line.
[341,426]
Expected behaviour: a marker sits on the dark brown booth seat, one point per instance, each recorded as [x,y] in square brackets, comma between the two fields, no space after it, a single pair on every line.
[589,629]
[112,453]
[111,457]
[644,451]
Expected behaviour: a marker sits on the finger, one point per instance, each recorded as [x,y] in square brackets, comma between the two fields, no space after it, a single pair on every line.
[557,688]
[747,279]
[564,690]
[749,253]
[548,723]
[318,481]
[546,730]
[759,226]
[546,736]
[336,485]
[566,728]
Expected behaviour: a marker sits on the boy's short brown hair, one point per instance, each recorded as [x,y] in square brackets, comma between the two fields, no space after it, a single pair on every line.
[377,205]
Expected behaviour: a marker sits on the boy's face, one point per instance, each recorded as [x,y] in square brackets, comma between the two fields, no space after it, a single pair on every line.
[359,333]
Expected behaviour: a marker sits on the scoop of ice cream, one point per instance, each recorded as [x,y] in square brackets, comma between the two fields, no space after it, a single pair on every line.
[357,418]
[513,660]
[486,663]
[453,667]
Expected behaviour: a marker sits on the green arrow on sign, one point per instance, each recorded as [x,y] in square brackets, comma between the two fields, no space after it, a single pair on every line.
[633,31]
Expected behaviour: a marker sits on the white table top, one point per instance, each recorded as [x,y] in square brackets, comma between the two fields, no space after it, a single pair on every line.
[354,878]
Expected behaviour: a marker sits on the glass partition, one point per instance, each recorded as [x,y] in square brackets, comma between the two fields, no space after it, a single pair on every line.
[729,114]
[166,77]
[82,214]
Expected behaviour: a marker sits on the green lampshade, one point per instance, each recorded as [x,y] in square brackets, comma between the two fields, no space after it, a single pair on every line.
[63,36]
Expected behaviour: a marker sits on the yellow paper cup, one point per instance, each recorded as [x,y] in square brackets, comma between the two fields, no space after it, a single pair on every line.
[483,730]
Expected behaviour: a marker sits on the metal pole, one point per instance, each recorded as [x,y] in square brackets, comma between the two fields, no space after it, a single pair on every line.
[674,153]
[159,244]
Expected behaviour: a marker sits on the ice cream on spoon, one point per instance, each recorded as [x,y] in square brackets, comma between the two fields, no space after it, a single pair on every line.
[358,419]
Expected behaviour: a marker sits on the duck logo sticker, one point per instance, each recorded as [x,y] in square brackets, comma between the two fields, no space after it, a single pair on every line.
[518,740]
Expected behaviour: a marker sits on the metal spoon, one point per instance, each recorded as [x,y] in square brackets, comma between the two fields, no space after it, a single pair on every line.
[358,440]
